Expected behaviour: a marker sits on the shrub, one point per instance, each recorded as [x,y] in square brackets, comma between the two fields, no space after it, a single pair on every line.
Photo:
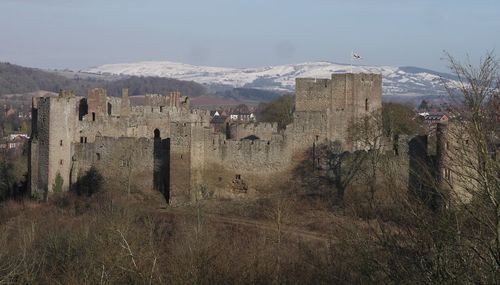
[58,183]
[90,183]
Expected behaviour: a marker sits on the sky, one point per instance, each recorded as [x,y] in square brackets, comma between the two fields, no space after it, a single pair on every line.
[77,34]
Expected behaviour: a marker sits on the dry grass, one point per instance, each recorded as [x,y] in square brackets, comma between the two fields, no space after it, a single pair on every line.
[285,238]
[115,239]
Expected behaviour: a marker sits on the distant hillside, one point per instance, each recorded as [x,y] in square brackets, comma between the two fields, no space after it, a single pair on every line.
[249,94]
[16,79]
[145,85]
[397,81]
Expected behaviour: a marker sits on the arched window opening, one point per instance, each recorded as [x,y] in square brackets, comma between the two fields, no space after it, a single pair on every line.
[367,107]
[157,133]
[109,108]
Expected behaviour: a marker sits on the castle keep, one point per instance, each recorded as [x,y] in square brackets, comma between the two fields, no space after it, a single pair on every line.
[165,146]
[324,108]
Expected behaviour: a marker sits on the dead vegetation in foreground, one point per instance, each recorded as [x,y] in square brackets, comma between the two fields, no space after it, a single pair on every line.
[112,238]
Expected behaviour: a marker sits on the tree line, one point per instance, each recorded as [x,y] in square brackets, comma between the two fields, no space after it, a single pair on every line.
[16,79]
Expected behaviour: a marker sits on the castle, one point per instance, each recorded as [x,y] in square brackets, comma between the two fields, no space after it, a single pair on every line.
[165,146]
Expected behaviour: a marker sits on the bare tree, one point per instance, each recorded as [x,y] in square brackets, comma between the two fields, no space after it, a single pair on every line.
[367,134]
[339,168]
[279,214]
[471,166]
[458,242]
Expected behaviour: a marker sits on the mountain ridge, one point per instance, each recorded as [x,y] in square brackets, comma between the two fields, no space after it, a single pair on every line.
[399,81]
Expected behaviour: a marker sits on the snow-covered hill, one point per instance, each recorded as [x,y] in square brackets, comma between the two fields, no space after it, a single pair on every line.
[396,80]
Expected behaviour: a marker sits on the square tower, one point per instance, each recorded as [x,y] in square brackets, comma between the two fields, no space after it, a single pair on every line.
[344,98]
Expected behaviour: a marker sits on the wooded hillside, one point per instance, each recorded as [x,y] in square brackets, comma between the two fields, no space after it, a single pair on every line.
[16,79]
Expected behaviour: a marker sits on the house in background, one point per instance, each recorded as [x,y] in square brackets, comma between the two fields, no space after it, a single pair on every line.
[218,121]
[244,117]
[14,142]
[433,119]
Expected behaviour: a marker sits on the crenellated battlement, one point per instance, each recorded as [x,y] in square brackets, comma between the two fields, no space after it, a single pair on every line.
[263,131]
[173,100]
[66,94]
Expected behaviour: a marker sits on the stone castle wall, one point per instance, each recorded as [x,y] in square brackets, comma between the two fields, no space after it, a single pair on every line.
[127,163]
[165,146]
[254,163]
[39,183]
[259,156]
[263,131]
[448,175]
[308,128]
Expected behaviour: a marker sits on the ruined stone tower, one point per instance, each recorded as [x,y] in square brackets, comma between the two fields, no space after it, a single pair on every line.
[132,146]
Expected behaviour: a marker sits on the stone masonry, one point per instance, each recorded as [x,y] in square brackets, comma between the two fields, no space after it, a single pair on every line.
[165,146]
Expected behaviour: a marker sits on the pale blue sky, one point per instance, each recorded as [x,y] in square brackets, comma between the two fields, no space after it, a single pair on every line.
[246,33]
